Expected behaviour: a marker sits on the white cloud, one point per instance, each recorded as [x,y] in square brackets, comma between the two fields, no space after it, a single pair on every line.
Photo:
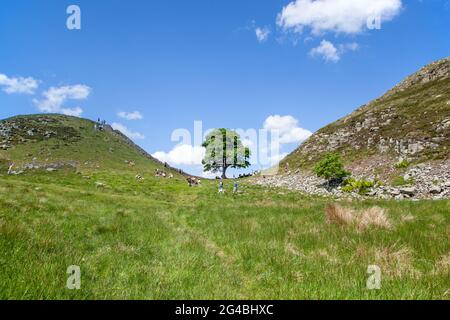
[182,154]
[278,157]
[338,16]
[328,51]
[55,97]
[210,175]
[349,47]
[18,85]
[130,134]
[288,129]
[135,115]
[262,34]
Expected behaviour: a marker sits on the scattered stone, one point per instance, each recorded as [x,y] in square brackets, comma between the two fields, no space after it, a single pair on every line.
[430,182]
[410,191]
[399,197]
[394,192]
[435,190]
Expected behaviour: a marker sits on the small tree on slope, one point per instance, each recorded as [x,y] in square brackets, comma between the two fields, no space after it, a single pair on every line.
[331,169]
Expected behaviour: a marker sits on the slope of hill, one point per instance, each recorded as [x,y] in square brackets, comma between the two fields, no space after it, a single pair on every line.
[56,141]
[410,121]
[409,124]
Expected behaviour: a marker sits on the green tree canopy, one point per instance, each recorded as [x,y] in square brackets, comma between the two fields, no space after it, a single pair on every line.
[224,149]
[331,168]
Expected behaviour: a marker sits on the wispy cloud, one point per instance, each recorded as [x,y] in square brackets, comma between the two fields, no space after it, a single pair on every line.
[135,115]
[262,34]
[330,53]
[18,85]
[129,133]
[55,98]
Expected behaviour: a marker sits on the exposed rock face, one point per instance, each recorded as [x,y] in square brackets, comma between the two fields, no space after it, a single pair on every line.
[16,131]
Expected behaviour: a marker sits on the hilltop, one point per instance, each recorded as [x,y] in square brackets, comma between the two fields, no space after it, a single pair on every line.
[401,138]
[53,141]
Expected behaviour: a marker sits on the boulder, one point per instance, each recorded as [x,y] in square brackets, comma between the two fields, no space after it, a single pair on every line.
[435,190]
[410,191]
[394,192]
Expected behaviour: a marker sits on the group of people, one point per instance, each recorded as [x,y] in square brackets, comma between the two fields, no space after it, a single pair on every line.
[222,189]
[162,174]
[247,175]
[192,181]
[100,124]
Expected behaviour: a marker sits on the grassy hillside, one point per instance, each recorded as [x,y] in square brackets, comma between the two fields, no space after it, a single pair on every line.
[411,121]
[160,239]
[58,141]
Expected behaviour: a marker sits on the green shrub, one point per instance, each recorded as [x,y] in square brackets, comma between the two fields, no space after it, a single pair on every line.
[401,181]
[402,165]
[331,169]
[360,186]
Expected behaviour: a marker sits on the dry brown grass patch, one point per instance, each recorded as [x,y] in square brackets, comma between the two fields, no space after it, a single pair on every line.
[374,216]
[396,262]
[443,265]
[408,218]
[362,219]
[339,215]
[292,249]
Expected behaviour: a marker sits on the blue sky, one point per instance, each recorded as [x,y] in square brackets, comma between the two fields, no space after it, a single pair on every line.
[175,62]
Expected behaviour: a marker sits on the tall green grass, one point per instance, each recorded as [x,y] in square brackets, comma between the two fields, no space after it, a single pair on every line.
[160,239]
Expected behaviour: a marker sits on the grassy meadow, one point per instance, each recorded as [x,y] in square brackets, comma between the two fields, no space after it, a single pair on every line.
[160,239]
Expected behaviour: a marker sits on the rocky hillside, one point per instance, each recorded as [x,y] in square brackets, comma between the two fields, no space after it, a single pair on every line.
[411,121]
[407,128]
[55,141]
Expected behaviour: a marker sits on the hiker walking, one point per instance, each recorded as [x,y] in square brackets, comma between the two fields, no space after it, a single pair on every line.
[235,186]
[10,169]
[221,189]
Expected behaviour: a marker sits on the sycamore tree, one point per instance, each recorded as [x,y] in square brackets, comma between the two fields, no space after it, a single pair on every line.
[224,149]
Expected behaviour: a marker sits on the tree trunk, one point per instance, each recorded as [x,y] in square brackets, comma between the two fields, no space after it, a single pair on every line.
[224,170]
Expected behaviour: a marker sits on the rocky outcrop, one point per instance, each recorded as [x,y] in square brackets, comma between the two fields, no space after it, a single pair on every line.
[18,130]
[421,182]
